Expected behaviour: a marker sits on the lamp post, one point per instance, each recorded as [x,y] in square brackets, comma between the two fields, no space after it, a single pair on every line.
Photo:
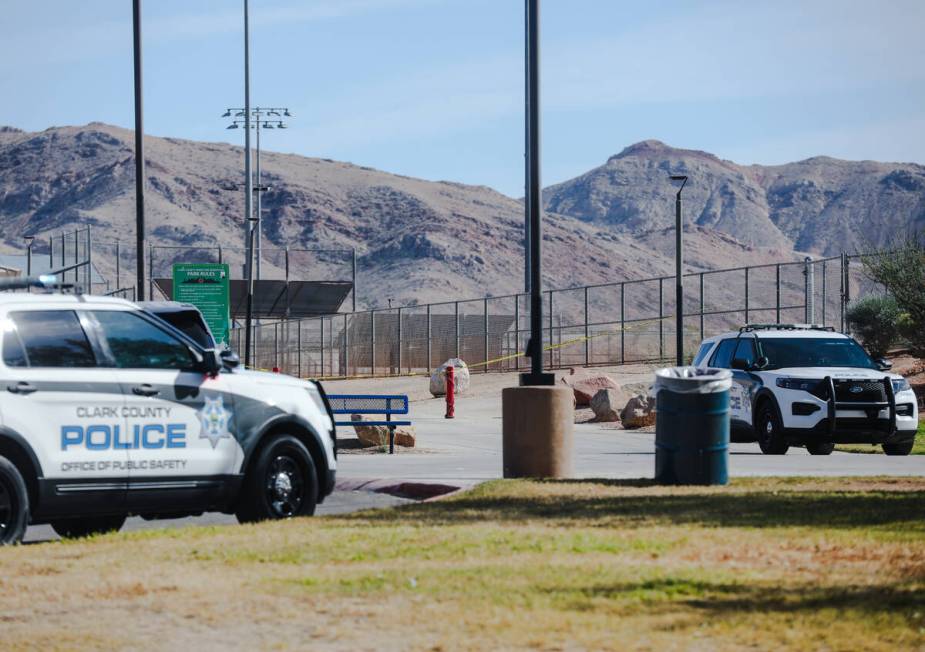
[262,117]
[30,240]
[678,279]
[139,159]
[534,205]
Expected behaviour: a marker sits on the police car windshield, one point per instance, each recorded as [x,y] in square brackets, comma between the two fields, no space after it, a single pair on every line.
[814,352]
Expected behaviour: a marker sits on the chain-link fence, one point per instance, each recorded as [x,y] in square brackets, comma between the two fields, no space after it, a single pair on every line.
[607,324]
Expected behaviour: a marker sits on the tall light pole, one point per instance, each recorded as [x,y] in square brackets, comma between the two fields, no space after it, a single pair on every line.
[534,205]
[248,188]
[263,116]
[139,159]
[678,279]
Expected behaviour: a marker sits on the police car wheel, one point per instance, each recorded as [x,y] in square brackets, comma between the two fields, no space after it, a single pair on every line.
[904,448]
[820,448]
[14,504]
[76,528]
[770,438]
[282,483]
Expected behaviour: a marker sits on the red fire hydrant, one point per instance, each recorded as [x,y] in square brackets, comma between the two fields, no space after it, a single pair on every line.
[450,392]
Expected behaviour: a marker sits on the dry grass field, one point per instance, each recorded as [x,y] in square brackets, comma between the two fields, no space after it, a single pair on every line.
[835,564]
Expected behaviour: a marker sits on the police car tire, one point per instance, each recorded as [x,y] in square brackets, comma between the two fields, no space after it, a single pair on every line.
[904,448]
[820,448]
[771,443]
[77,528]
[14,501]
[260,498]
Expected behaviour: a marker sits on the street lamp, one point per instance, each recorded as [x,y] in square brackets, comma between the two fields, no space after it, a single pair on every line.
[30,240]
[678,279]
[257,120]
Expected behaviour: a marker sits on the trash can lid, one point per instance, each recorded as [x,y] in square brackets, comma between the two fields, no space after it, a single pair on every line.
[692,380]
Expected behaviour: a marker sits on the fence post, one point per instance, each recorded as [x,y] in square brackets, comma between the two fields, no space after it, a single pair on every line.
[353,275]
[118,256]
[516,347]
[746,295]
[322,346]
[587,332]
[429,335]
[51,253]
[701,306]
[276,362]
[550,330]
[622,323]
[399,341]
[777,283]
[456,320]
[847,288]
[808,291]
[661,322]
[76,256]
[823,293]
[298,344]
[151,274]
[220,258]
[346,370]
[485,329]
[372,343]
[89,261]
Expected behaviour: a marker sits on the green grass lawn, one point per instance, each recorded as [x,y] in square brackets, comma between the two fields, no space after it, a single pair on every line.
[917,449]
[796,563]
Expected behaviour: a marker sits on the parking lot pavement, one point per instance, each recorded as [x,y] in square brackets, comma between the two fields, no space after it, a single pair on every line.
[339,502]
[467,450]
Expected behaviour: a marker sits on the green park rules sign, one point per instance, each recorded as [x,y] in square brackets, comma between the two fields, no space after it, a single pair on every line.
[206,286]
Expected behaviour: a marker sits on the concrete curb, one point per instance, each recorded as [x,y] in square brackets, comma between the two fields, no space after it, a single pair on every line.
[412,489]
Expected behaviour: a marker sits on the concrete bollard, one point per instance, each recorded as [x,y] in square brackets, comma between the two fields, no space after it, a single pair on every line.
[538,431]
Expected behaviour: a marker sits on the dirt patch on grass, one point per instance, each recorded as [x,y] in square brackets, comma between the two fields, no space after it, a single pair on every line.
[767,563]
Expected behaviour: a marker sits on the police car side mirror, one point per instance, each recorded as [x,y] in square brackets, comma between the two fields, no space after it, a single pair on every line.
[229,358]
[207,361]
[761,363]
[883,364]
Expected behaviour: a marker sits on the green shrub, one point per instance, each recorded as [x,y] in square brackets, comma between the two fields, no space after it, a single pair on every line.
[901,270]
[875,321]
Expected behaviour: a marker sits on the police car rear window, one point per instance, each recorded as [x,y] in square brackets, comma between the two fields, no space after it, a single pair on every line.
[52,338]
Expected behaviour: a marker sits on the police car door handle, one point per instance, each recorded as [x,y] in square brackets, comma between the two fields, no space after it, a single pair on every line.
[145,390]
[22,387]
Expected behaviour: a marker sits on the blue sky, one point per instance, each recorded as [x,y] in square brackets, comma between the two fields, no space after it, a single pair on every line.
[434,88]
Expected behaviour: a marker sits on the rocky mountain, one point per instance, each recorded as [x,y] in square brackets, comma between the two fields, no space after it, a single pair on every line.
[821,205]
[421,241]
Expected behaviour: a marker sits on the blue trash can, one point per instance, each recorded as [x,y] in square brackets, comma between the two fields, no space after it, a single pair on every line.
[692,425]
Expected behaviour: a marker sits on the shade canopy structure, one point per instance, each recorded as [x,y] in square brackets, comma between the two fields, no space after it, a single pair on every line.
[280,299]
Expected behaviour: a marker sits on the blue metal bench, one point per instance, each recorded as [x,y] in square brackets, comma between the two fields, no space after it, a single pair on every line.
[376,404]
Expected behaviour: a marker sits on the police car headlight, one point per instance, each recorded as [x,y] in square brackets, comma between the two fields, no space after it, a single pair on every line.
[901,385]
[805,384]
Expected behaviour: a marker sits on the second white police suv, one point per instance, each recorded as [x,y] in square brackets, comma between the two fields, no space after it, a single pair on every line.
[808,385]
[108,411]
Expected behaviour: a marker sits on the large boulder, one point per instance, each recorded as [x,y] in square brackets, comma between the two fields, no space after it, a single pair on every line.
[460,377]
[639,412]
[606,405]
[585,387]
[379,435]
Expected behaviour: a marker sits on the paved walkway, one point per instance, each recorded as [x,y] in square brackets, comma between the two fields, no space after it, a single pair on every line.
[467,450]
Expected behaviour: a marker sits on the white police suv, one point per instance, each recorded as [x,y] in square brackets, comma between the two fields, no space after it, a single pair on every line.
[107,411]
[806,385]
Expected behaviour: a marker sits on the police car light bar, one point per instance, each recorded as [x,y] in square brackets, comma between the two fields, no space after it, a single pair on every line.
[45,282]
[785,327]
